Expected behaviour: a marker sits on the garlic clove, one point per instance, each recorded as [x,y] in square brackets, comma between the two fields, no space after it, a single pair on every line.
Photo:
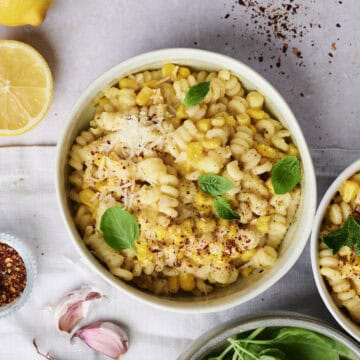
[74,307]
[105,337]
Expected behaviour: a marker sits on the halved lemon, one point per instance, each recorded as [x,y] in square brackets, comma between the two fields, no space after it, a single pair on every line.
[26,87]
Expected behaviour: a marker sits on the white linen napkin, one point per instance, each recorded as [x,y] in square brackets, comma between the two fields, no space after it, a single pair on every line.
[29,211]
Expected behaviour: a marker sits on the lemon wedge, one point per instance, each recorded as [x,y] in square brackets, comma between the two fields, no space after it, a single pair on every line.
[26,87]
[23,12]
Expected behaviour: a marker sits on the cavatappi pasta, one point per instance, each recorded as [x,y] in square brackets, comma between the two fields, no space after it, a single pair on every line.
[144,151]
[342,270]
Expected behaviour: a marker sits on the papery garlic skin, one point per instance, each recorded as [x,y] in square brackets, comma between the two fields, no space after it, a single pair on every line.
[105,337]
[74,307]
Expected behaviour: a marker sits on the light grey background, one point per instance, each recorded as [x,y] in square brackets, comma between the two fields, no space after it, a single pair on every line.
[81,39]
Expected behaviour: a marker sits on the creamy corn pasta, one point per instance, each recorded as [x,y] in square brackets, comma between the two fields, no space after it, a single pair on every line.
[144,151]
[342,269]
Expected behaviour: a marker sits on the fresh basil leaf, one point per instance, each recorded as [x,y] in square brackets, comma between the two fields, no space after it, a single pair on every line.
[119,228]
[348,234]
[303,344]
[212,184]
[196,94]
[224,210]
[286,174]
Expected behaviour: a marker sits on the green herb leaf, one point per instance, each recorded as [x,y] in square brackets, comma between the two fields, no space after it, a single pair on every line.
[119,228]
[348,234]
[212,184]
[196,94]
[280,344]
[286,174]
[224,210]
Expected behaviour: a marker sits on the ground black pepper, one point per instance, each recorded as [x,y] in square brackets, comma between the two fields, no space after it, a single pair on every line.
[13,275]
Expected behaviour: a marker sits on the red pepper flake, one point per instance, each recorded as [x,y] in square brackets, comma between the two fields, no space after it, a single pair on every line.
[13,275]
[297,52]
[333,46]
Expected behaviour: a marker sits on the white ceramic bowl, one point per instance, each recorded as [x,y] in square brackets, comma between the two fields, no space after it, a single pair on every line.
[340,317]
[202,347]
[298,233]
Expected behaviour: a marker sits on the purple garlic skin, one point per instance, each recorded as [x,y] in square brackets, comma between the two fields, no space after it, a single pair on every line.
[105,337]
[74,307]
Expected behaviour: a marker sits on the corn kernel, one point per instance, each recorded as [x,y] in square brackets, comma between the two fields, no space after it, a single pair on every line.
[266,151]
[86,197]
[230,120]
[203,200]
[211,143]
[293,150]
[176,122]
[247,255]
[246,271]
[256,114]
[243,119]
[173,284]
[103,101]
[143,253]
[128,83]
[203,125]
[187,282]
[262,224]
[232,231]
[349,189]
[151,83]
[168,70]
[97,159]
[184,72]
[218,122]
[194,152]
[205,225]
[160,232]
[176,234]
[143,97]
[356,178]
[100,185]
[181,113]
[255,100]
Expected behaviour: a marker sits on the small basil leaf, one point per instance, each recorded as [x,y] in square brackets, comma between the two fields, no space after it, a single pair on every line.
[212,184]
[119,228]
[196,94]
[348,234]
[286,174]
[224,210]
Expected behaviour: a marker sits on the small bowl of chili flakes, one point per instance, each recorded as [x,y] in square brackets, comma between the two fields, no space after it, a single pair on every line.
[17,272]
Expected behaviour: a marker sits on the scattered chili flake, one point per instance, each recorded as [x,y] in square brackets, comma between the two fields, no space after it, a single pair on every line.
[297,52]
[13,275]
[333,46]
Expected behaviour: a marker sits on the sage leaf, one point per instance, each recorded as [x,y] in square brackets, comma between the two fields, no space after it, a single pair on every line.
[196,94]
[224,210]
[119,228]
[286,174]
[215,185]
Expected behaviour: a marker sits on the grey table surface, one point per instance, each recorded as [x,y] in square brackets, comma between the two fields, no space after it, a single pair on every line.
[81,39]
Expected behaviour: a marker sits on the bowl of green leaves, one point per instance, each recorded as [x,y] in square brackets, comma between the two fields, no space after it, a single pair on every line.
[279,336]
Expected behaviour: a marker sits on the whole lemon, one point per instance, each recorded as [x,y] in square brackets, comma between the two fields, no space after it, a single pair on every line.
[23,12]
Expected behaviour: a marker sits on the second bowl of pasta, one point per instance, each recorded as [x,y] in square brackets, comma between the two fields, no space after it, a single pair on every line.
[184,179]
[335,249]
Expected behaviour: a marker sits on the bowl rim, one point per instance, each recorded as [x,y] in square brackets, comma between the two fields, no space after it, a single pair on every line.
[348,325]
[188,54]
[245,323]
